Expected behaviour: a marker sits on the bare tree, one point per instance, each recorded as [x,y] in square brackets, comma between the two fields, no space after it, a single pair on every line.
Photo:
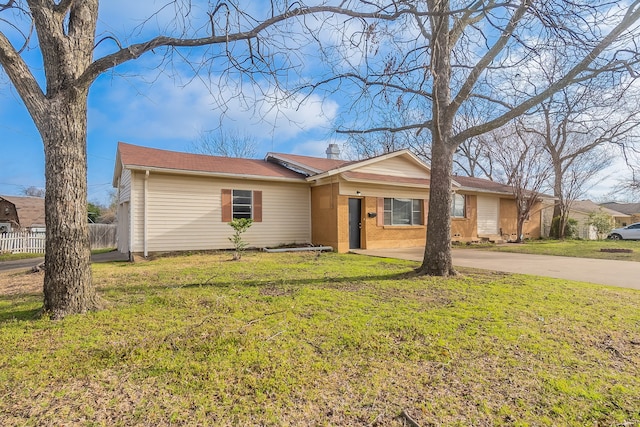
[583,128]
[72,58]
[448,58]
[226,144]
[523,164]
[33,191]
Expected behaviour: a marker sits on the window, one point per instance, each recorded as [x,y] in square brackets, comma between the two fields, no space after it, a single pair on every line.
[458,206]
[241,204]
[403,212]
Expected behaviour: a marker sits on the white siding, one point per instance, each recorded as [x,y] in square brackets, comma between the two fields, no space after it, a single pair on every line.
[395,166]
[184,213]
[137,211]
[488,212]
[125,185]
[123,227]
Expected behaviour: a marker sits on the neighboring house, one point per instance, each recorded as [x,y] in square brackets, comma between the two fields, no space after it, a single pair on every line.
[171,201]
[21,214]
[486,210]
[580,211]
[630,209]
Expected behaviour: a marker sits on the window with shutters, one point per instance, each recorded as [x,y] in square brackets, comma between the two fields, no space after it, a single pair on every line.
[403,211]
[458,206]
[241,204]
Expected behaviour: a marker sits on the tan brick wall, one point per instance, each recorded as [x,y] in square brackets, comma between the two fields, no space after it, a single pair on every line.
[509,222]
[466,229]
[324,215]
[375,236]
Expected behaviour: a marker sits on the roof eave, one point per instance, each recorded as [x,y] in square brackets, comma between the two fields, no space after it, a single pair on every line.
[143,168]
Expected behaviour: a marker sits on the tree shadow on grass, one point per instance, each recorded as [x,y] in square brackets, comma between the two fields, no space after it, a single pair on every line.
[329,282]
[18,314]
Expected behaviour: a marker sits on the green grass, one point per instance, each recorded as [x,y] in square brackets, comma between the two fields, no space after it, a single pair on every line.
[572,248]
[15,257]
[305,339]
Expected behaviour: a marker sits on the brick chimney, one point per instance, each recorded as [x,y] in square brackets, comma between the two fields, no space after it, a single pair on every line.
[333,152]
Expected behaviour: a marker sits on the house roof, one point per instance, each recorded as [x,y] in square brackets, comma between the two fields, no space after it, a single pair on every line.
[482,185]
[587,206]
[144,158]
[30,210]
[307,164]
[317,168]
[626,208]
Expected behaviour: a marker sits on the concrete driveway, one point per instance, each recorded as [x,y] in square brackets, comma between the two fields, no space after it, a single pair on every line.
[625,274]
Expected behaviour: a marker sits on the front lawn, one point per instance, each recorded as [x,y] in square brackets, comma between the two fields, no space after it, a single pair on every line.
[572,248]
[320,339]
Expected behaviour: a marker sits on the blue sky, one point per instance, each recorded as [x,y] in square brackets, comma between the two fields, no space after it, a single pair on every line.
[140,105]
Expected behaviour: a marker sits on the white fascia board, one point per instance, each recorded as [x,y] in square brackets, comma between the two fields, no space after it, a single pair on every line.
[214,174]
[117,170]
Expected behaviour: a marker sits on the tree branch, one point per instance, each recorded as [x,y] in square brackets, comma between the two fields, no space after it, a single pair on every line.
[21,77]
[134,51]
[630,18]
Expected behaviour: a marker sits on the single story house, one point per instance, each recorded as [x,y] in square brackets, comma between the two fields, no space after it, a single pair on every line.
[172,201]
[21,214]
[630,209]
[580,211]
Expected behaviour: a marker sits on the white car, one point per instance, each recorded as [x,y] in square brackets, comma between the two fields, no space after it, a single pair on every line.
[630,232]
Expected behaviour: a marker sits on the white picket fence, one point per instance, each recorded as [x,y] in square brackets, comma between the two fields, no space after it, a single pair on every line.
[101,236]
[22,242]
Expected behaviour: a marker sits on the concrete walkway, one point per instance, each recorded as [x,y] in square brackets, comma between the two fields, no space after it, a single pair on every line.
[625,274]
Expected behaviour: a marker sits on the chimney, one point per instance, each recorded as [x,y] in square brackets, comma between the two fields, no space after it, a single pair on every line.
[333,152]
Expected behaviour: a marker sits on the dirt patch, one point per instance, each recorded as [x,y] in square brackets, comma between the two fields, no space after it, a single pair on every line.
[19,283]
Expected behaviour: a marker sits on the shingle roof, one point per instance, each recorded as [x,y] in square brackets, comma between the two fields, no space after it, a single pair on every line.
[626,208]
[483,184]
[134,155]
[30,210]
[587,206]
[314,165]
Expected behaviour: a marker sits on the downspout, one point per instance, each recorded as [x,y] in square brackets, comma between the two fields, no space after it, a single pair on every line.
[146,199]
[131,215]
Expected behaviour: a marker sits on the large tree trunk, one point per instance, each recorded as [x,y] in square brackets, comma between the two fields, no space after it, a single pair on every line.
[558,210]
[67,282]
[437,255]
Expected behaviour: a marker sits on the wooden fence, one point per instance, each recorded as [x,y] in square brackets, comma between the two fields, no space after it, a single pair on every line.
[102,236]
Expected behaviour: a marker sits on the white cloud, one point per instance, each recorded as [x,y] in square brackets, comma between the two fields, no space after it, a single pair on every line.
[167,109]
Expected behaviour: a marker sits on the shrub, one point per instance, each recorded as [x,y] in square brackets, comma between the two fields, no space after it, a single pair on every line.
[570,228]
[239,225]
[602,222]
